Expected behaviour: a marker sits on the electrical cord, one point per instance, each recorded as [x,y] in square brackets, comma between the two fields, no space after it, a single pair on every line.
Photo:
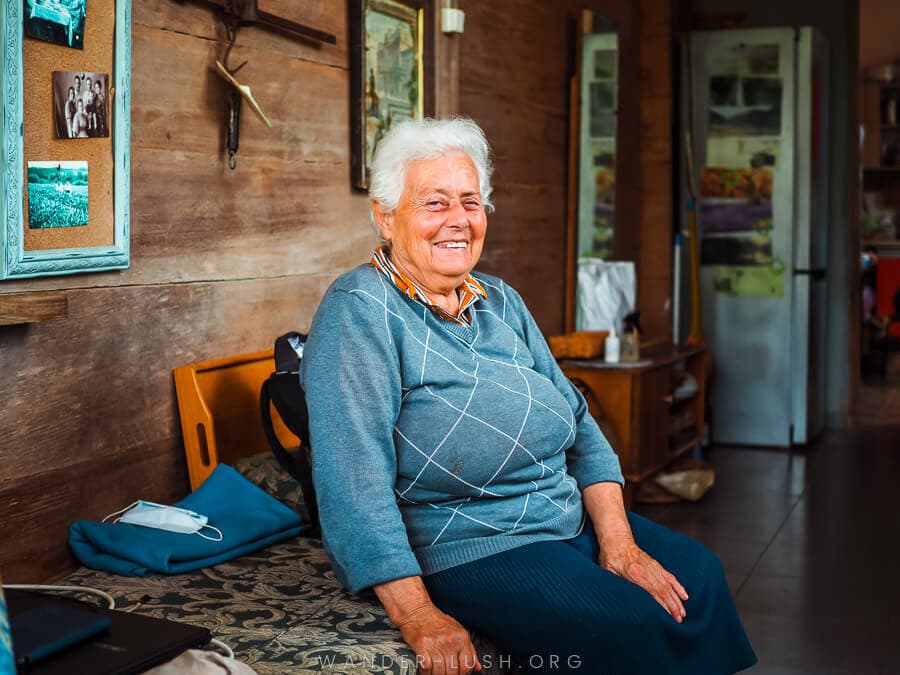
[144,600]
[78,589]
[225,648]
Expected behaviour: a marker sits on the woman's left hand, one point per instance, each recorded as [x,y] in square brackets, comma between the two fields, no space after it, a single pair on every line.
[623,557]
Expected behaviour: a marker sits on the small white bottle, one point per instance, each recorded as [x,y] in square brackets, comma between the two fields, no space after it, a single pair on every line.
[611,347]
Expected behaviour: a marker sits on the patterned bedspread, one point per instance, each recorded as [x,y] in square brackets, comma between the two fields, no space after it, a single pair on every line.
[280,609]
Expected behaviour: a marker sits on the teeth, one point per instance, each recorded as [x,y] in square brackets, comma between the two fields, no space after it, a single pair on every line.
[454,244]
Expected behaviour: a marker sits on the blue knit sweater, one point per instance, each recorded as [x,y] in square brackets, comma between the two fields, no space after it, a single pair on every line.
[434,443]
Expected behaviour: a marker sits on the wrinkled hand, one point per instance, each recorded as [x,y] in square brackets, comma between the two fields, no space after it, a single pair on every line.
[624,558]
[441,644]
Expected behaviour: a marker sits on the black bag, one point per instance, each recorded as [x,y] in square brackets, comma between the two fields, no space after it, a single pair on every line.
[283,390]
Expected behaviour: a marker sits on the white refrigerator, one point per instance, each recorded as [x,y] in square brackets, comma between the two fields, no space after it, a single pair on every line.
[759,130]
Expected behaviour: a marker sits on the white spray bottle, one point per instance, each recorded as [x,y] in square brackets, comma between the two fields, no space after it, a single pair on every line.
[611,347]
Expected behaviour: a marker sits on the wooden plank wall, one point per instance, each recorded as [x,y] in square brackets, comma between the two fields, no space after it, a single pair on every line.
[515,62]
[514,70]
[222,262]
[654,251]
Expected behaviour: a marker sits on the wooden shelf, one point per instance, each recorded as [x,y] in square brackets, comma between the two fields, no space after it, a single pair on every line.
[684,442]
[651,357]
[881,243]
[678,402]
[32,308]
[635,406]
[882,169]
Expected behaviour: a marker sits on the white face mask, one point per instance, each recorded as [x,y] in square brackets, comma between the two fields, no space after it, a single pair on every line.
[163,517]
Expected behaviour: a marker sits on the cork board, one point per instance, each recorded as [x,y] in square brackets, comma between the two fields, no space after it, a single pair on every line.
[40,60]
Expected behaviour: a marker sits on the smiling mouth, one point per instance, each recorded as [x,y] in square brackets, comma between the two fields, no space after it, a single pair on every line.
[453,244]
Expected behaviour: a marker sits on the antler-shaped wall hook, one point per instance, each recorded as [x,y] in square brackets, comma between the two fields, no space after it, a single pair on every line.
[237,13]
[240,91]
[244,91]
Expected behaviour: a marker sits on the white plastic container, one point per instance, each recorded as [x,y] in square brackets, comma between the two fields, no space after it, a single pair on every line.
[611,347]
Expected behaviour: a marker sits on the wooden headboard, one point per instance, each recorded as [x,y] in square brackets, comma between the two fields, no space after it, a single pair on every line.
[218,402]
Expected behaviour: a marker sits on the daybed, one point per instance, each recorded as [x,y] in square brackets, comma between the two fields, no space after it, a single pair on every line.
[280,609]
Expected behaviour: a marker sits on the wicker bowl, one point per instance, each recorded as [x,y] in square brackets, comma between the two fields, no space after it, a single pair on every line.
[582,344]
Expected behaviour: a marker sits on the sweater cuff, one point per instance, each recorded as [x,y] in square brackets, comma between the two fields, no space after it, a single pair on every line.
[589,470]
[367,573]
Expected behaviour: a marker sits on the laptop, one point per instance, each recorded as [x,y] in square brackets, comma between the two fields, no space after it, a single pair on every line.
[76,637]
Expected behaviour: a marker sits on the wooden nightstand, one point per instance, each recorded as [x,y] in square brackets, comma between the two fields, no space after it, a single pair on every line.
[648,420]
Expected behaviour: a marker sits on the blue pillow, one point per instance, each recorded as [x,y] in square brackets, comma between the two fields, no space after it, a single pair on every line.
[249,520]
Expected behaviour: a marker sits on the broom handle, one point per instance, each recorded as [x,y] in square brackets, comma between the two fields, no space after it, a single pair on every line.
[695,336]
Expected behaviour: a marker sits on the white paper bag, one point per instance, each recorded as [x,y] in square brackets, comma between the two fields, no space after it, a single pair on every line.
[606,293]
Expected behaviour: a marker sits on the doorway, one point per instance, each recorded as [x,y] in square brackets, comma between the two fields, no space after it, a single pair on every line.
[878,400]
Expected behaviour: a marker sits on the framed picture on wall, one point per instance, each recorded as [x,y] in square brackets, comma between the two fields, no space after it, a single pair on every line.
[80,104]
[65,202]
[60,22]
[389,61]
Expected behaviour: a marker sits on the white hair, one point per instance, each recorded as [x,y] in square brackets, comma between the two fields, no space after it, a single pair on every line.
[413,140]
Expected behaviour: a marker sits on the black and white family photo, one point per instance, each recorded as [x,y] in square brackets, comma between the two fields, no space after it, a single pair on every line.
[58,21]
[81,104]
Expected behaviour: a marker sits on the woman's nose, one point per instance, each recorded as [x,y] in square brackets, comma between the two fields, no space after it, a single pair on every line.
[457,216]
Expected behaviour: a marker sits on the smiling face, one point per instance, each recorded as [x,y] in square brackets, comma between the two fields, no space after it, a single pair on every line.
[437,230]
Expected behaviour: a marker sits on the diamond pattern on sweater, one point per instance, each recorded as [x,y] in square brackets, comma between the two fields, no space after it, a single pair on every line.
[432,457]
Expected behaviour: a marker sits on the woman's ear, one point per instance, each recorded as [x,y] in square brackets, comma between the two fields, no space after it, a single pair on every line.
[383,219]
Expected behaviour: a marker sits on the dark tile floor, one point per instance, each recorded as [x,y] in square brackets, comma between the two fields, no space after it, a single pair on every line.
[810,542]
[878,400]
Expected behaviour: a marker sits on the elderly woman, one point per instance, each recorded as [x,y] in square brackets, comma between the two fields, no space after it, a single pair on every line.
[458,471]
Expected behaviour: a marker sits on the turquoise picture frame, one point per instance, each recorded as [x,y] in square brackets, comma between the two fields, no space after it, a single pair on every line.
[16,262]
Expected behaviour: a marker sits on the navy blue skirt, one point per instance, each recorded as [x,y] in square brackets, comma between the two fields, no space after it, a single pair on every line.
[551,608]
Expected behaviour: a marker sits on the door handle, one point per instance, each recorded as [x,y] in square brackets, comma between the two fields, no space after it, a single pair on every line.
[816,274]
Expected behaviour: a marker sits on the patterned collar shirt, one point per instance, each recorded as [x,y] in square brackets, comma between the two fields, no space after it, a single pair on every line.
[469,291]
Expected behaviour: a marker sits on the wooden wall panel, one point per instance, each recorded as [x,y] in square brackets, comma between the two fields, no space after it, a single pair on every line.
[285,209]
[90,399]
[526,235]
[514,72]
[120,367]
[515,61]
[656,17]
[38,509]
[629,139]
[655,250]
[222,262]
[198,20]
[655,79]
[878,23]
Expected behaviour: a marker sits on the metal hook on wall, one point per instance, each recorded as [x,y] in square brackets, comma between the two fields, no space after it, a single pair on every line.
[232,133]
[233,120]
[237,13]
[236,96]
[232,23]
